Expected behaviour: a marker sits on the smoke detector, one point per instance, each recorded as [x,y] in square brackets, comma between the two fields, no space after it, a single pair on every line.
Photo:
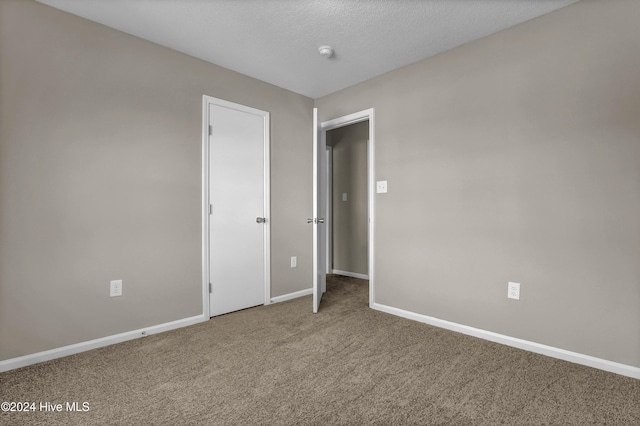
[326,51]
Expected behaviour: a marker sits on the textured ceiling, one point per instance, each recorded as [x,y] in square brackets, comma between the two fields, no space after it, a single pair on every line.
[277,40]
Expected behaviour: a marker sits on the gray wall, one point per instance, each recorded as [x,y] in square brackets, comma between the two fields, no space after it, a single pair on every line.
[100,179]
[516,158]
[350,218]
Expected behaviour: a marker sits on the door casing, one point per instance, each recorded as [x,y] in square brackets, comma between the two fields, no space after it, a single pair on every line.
[329,211]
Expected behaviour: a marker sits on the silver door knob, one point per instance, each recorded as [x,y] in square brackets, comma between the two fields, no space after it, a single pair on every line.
[321,220]
[309,220]
[261,219]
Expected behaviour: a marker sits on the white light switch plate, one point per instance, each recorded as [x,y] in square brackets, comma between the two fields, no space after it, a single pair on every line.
[344,196]
[294,261]
[115,288]
[381,186]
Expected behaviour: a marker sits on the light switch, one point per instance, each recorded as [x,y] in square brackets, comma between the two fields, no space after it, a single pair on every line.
[381,187]
[344,196]
[115,288]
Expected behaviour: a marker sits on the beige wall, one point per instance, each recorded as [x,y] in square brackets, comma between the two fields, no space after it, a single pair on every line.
[350,217]
[516,158]
[100,179]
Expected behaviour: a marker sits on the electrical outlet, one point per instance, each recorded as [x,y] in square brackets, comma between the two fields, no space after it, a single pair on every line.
[513,290]
[294,261]
[381,186]
[116,288]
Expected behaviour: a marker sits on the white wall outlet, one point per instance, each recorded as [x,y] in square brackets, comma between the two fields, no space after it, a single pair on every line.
[513,290]
[116,288]
[294,261]
[381,186]
[344,196]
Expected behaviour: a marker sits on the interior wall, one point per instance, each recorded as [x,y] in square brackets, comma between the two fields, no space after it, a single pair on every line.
[350,216]
[100,179]
[515,158]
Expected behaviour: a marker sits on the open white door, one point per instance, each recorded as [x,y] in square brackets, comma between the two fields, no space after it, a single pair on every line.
[319,209]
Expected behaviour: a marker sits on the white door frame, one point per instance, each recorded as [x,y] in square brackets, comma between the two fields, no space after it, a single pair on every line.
[357,117]
[329,213]
[206,102]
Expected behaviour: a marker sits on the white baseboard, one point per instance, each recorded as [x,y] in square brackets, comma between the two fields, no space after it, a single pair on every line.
[23,361]
[350,274]
[602,364]
[293,295]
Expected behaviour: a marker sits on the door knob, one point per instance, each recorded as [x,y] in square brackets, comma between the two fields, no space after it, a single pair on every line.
[309,220]
[321,220]
[261,219]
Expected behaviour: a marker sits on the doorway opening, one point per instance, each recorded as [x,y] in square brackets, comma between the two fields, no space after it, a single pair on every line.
[350,196]
[348,201]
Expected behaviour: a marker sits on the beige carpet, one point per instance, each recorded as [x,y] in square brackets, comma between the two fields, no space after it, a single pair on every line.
[349,365]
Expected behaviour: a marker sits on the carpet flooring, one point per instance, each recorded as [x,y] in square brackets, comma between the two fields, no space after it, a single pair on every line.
[347,365]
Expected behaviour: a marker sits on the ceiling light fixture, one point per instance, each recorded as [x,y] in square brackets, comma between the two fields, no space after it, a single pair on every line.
[326,51]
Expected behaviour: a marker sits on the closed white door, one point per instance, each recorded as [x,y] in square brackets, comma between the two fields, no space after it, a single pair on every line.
[238,148]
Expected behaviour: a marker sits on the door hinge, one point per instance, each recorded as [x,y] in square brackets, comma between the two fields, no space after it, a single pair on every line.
[210,208]
[210,130]
[210,288]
